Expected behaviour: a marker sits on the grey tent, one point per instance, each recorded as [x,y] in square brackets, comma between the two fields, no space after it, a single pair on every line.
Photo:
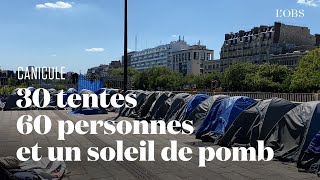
[164,108]
[159,102]
[198,115]
[53,91]
[88,111]
[118,110]
[145,107]
[111,92]
[256,122]
[85,91]
[177,104]
[11,102]
[53,100]
[131,112]
[296,138]
[1,105]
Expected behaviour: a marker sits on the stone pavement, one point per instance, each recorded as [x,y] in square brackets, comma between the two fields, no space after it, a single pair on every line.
[11,140]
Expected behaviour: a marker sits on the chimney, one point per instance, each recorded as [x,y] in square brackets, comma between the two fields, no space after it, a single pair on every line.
[226,36]
[241,33]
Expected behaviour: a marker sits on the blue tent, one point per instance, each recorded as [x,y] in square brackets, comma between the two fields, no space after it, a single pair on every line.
[101,90]
[71,91]
[88,111]
[221,116]
[32,89]
[194,102]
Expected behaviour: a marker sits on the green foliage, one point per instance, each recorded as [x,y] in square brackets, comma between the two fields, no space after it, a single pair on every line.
[140,81]
[120,72]
[238,77]
[204,81]
[307,76]
[158,78]
[269,78]
[162,78]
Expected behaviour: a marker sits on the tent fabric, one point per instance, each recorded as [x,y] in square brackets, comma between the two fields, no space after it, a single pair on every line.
[53,100]
[256,122]
[71,91]
[310,159]
[145,107]
[85,91]
[52,91]
[45,169]
[160,100]
[111,92]
[176,104]
[194,102]
[132,112]
[32,89]
[89,111]
[296,136]
[11,102]
[53,103]
[199,113]
[1,105]
[162,110]
[221,116]
[117,110]
[101,90]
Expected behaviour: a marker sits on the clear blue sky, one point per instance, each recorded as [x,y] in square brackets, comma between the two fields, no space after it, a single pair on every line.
[79,34]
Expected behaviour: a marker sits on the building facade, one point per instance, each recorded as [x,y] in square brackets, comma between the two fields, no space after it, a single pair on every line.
[290,60]
[267,44]
[177,56]
[5,75]
[158,56]
[115,64]
[98,72]
[191,60]
[211,66]
[129,57]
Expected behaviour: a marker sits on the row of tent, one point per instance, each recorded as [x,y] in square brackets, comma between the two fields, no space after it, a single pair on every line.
[292,130]
[11,101]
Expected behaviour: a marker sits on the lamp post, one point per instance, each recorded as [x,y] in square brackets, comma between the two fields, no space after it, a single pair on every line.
[125,50]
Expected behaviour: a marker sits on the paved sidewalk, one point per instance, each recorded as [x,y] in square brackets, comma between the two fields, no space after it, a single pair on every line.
[11,140]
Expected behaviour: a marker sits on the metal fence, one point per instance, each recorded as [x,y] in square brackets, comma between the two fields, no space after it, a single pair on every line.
[93,85]
[294,97]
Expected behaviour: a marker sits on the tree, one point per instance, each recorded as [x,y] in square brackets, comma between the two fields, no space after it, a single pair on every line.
[11,81]
[307,77]
[140,81]
[234,78]
[120,72]
[269,78]
[204,81]
[164,78]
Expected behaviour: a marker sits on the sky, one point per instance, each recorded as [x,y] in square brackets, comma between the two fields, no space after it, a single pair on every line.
[79,34]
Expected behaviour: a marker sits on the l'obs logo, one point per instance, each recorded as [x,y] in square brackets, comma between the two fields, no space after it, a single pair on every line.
[289,13]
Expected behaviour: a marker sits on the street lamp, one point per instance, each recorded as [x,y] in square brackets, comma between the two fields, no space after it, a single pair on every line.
[125,50]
